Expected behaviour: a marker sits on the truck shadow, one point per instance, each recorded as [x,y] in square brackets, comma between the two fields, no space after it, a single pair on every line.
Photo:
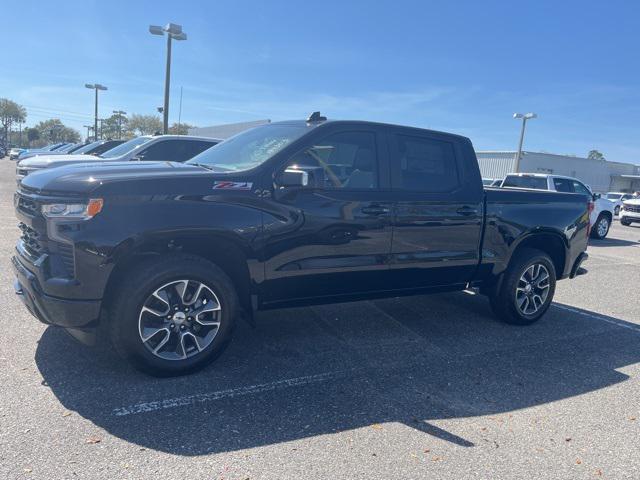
[315,371]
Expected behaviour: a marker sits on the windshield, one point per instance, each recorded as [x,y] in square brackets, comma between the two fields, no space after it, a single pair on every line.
[125,147]
[613,196]
[250,148]
[88,147]
[539,183]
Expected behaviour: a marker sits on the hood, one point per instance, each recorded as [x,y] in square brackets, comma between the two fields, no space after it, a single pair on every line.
[82,178]
[633,201]
[46,161]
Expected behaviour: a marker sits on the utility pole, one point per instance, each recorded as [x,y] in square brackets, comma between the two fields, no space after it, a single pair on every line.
[96,87]
[524,117]
[119,113]
[88,127]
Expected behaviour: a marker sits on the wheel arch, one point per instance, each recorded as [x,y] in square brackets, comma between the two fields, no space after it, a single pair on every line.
[223,250]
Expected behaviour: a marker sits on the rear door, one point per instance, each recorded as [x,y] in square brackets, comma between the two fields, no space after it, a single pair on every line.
[438,209]
[174,150]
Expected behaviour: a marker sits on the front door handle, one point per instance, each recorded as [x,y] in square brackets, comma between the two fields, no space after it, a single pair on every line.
[467,211]
[375,210]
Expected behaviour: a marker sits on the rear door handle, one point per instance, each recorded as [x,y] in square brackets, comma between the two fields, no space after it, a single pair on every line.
[375,210]
[467,211]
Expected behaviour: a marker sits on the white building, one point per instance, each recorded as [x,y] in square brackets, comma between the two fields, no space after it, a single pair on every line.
[601,175]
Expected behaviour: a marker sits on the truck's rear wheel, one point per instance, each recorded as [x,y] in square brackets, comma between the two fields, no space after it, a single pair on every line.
[173,315]
[527,289]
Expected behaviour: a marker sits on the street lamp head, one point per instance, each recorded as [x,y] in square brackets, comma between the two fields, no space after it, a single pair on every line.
[517,115]
[173,29]
[100,87]
[156,30]
[180,36]
[530,115]
[88,85]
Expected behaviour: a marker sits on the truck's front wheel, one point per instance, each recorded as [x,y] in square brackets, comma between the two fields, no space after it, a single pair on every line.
[173,315]
[527,289]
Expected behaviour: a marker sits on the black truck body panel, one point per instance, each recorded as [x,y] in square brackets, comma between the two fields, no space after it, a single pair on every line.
[290,246]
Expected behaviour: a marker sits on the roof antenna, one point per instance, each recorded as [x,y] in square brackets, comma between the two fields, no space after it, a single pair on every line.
[316,117]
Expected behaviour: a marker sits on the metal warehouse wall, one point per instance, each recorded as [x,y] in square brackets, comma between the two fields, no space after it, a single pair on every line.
[496,164]
[600,175]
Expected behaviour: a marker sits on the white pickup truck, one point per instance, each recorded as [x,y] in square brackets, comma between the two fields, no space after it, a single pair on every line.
[602,214]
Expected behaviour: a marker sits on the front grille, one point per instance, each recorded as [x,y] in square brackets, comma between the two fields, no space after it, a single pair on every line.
[632,208]
[27,206]
[31,240]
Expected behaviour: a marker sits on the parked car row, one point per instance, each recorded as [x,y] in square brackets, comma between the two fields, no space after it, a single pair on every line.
[175,148]
[161,257]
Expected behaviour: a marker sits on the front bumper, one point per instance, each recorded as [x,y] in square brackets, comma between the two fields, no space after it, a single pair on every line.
[70,314]
[627,216]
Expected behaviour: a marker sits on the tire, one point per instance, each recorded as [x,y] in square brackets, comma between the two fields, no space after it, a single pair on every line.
[139,305]
[601,227]
[626,223]
[506,302]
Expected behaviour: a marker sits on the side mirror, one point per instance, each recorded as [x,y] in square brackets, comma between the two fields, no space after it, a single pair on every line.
[596,196]
[293,178]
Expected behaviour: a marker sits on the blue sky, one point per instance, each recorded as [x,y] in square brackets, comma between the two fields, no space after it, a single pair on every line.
[461,66]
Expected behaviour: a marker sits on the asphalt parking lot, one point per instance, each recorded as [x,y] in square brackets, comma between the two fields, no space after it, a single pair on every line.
[421,387]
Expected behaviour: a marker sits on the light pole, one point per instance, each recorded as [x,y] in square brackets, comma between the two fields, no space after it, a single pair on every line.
[174,32]
[119,113]
[96,87]
[524,117]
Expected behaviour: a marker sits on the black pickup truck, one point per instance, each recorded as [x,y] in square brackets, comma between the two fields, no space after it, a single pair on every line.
[163,257]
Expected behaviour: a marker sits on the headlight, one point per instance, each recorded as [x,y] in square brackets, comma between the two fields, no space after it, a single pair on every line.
[82,211]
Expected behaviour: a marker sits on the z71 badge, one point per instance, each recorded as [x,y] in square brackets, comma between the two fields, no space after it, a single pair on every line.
[232,185]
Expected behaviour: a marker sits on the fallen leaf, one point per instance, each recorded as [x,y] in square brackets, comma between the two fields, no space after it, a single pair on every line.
[578,462]
[427,450]
[568,439]
[632,419]
[66,414]
[93,440]
[435,459]
[28,470]
[599,472]
[377,426]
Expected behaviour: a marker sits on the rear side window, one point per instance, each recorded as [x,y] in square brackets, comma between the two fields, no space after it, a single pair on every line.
[426,164]
[195,147]
[563,185]
[537,183]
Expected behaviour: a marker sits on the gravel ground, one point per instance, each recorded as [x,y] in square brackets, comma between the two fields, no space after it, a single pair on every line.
[420,387]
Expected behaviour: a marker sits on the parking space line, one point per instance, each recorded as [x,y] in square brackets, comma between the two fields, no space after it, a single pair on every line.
[147,407]
[602,318]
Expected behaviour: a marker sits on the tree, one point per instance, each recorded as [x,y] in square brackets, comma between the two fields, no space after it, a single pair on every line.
[54,130]
[10,112]
[595,155]
[144,124]
[33,134]
[115,126]
[180,129]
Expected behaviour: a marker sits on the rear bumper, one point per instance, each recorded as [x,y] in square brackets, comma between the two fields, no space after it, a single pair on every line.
[71,314]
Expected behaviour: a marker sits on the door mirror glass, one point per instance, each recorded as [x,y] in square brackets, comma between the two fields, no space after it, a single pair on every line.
[596,196]
[293,178]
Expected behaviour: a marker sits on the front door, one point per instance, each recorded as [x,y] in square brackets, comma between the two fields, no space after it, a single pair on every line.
[438,212]
[332,236]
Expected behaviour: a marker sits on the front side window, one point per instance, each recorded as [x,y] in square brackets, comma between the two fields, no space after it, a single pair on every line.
[580,188]
[342,160]
[427,164]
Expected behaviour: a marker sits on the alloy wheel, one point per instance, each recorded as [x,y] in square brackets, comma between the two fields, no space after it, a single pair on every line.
[603,227]
[533,289]
[179,320]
